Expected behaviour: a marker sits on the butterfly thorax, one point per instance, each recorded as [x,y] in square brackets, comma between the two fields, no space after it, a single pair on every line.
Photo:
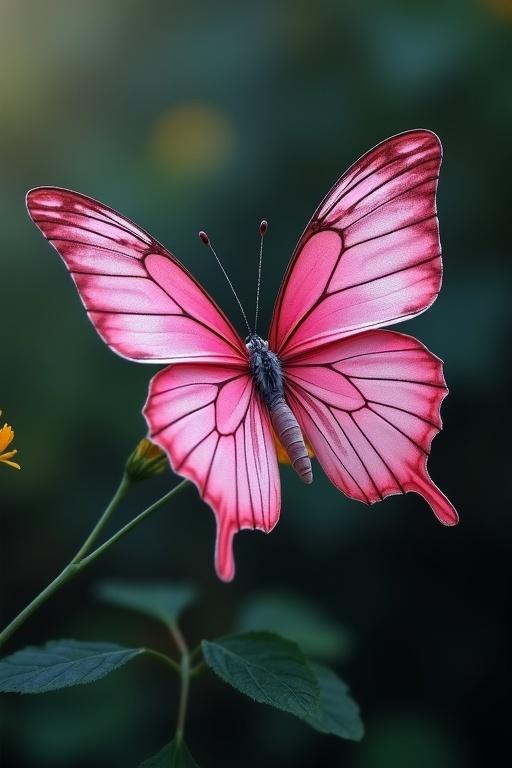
[267,373]
[266,370]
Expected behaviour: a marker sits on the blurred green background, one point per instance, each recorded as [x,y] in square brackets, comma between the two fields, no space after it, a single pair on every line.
[188,115]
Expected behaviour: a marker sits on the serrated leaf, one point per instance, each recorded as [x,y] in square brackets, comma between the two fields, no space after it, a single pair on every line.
[267,668]
[337,713]
[173,755]
[292,617]
[160,600]
[60,664]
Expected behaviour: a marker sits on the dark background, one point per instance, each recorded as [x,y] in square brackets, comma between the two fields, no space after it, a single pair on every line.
[187,115]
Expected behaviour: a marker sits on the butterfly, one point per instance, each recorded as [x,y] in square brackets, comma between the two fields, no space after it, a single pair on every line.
[366,400]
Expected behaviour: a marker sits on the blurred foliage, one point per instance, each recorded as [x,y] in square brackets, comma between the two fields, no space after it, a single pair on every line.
[292,617]
[175,754]
[161,600]
[405,740]
[186,116]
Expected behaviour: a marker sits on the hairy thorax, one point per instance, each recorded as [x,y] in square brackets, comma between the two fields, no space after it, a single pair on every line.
[266,370]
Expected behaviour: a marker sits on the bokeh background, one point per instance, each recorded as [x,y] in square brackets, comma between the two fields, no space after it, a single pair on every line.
[189,115]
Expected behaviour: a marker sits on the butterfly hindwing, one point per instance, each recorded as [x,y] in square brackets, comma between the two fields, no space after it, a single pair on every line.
[216,432]
[369,406]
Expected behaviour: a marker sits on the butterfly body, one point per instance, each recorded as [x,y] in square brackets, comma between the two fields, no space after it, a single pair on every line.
[366,399]
[267,372]
[266,369]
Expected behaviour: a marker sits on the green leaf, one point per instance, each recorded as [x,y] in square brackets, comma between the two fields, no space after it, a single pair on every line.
[267,668]
[61,663]
[173,755]
[338,713]
[298,620]
[160,600]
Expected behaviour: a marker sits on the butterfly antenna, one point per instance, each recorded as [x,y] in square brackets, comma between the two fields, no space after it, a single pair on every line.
[206,241]
[263,229]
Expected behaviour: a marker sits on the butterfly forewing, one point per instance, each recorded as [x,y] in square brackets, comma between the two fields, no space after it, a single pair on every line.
[141,300]
[370,255]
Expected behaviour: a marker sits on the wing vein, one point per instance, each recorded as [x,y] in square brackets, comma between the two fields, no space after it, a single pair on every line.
[380,186]
[357,178]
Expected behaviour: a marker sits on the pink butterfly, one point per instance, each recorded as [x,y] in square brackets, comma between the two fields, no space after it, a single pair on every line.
[367,400]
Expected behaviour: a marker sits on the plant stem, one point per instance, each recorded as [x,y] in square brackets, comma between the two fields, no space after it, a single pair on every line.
[71,568]
[65,575]
[196,652]
[164,659]
[177,636]
[197,663]
[119,495]
[81,559]
[198,669]
[185,687]
[133,523]
[181,645]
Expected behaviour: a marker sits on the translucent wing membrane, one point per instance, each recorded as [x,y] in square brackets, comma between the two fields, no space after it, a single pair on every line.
[370,256]
[211,422]
[369,406]
[141,300]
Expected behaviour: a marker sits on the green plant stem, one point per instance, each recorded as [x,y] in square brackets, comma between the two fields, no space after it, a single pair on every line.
[196,653]
[185,687]
[122,490]
[177,636]
[65,575]
[187,672]
[198,669]
[181,645]
[133,523]
[164,659]
[81,559]
[197,663]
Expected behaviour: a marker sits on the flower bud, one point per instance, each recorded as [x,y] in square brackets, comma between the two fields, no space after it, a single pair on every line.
[146,461]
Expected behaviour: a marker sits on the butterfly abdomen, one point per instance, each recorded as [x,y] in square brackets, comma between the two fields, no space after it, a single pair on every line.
[289,433]
[268,376]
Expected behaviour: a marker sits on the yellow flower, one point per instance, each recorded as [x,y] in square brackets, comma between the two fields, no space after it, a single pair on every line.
[6,438]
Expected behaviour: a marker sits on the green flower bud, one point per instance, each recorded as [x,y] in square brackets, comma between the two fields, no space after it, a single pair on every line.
[146,461]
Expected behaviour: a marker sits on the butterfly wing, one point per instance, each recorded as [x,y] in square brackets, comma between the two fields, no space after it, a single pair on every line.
[147,307]
[369,406]
[215,431]
[141,300]
[370,256]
